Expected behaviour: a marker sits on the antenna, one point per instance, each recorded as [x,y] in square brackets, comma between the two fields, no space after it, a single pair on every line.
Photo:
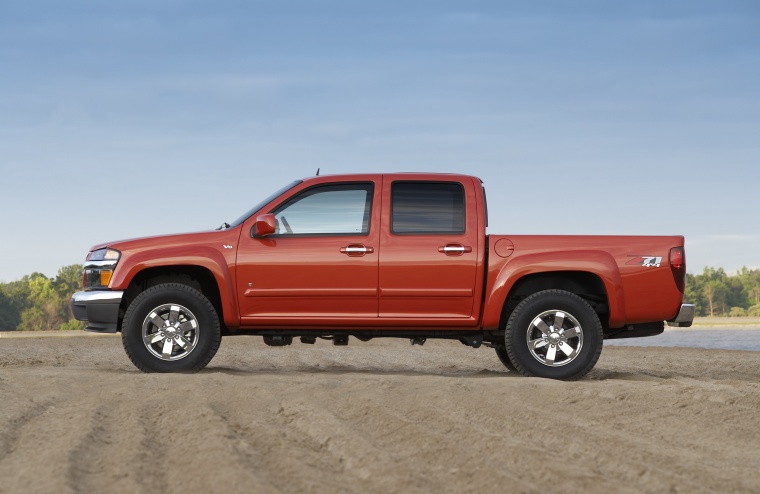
[317,171]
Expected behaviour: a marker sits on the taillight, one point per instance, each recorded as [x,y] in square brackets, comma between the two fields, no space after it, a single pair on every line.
[678,266]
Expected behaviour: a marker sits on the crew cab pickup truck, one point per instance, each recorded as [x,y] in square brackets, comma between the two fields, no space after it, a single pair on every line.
[382,255]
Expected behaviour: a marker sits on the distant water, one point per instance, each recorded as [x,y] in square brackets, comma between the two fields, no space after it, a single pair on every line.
[723,339]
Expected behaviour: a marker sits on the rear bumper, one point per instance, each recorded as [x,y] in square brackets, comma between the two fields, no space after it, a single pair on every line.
[685,316]
[100,309]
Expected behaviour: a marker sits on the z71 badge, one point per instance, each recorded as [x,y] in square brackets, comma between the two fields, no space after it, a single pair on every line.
[646,261]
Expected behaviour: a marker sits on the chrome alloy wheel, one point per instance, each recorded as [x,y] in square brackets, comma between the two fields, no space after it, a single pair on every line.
[170,332]
[555,338]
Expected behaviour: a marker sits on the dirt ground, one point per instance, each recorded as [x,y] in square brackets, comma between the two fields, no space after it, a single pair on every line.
[377,417]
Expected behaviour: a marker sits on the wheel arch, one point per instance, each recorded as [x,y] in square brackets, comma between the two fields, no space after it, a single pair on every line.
[582,283]
[592,275]
[198,277]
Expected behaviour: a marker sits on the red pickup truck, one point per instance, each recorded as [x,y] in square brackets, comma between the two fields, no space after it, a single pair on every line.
[391,255]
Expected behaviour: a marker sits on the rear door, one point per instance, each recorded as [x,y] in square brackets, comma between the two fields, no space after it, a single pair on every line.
[428,250]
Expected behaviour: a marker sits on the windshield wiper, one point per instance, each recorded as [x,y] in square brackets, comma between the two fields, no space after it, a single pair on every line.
[224,226]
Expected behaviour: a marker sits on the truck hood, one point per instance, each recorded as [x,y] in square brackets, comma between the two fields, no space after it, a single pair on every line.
[173,240]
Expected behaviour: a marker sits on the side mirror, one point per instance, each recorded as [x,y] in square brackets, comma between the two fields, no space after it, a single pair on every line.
[266,224]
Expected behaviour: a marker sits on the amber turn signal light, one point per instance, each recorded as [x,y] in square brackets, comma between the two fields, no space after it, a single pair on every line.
[105,277]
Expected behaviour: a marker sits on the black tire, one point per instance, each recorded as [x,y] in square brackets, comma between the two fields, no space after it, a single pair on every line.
[501,352]
[554,308]
[193,311]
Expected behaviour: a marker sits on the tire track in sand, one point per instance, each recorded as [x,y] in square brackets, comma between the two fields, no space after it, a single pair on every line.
[149,456]
[96,463]
[85,460]
[191,447]
[248,454]
[431,440]
[359,463]
[262,441]
[13,429]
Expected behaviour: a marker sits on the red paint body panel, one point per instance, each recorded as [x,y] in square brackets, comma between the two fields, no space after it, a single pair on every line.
[635,293]
[419,281]
[281,278]
[286,278]
[403,281]
[203,249]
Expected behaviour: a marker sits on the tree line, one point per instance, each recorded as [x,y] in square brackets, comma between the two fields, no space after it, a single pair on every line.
[718,294]
[38,303]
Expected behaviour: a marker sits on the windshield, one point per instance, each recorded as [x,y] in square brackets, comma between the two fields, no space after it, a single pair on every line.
[263,203]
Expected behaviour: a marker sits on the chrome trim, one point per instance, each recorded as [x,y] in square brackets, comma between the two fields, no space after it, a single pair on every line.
[99,296]
[459,248]
[555,338]
[100,264]
[685,316]
[170,332]
[356,249]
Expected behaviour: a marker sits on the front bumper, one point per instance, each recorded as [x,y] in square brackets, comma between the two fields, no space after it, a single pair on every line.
[100,309]
[685,316]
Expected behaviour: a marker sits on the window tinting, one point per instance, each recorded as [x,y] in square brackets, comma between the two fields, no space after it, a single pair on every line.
[327,210]
[427,207]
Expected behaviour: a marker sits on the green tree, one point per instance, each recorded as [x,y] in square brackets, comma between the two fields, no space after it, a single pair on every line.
[9,317]
[737,312]
[72,324]
[46,311]
[16,295]
[693,292]
[37,303]
[750,281]
[33,319]
[715,296]
[68,281]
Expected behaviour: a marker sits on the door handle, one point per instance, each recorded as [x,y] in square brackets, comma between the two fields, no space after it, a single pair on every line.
[356,250]
[454,249]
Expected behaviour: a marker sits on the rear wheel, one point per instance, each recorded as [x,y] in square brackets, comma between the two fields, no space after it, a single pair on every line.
[171,328]
[554,334]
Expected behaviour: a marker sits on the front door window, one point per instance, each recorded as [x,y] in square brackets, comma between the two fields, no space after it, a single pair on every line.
[327,210]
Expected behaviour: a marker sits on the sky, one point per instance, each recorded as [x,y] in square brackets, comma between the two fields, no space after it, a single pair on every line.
[128,119]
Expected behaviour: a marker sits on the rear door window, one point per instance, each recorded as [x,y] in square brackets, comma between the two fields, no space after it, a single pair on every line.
[427,208]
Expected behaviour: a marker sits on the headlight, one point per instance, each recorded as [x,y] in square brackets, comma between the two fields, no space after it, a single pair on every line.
[104,255]
[98,268]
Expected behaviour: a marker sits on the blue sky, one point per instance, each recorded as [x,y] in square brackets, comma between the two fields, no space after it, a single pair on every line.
[125,119]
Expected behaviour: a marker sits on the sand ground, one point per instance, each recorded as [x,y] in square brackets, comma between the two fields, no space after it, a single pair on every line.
[378,417]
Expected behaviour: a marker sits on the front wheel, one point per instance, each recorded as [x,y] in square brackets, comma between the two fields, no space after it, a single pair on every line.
[501,352]
[554,334]
[171,328]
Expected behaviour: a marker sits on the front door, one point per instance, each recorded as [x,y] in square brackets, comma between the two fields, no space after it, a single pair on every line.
[321,262]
